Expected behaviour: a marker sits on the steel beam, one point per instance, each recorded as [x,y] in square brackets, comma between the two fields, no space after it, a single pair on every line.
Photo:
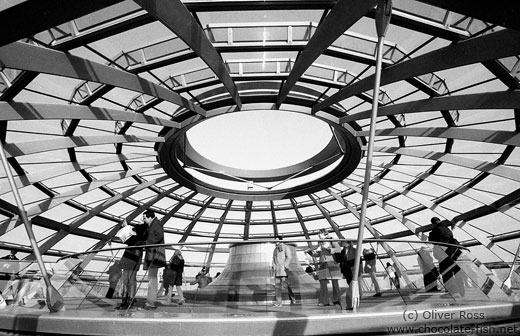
[487,47]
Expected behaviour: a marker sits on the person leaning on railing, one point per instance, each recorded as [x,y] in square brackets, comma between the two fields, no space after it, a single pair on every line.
[11,256]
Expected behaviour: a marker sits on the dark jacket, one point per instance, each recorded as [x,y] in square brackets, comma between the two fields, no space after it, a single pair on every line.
[176,264]
[347,263]
[172,275]
[132,257]
[441,233]
[155,256]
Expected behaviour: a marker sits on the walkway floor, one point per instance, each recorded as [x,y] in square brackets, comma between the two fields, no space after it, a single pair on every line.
[423,313]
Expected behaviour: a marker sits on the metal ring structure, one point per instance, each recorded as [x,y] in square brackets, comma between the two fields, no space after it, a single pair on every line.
[177,153]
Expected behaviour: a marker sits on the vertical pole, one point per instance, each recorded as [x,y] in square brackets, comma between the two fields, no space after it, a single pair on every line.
[507,281]
[53,298]
[383,13]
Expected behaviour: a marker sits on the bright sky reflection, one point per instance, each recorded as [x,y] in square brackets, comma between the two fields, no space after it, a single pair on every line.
[260,139]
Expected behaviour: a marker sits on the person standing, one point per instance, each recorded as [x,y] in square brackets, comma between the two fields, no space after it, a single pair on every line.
[172,276]
[130,263]
[280,266]
[328,269]
[451,273]
[114,274]
[392,276]
[155,256]
[370,268]
[397,279]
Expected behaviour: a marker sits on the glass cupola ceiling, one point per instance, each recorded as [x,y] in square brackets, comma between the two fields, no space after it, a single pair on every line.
[274,98]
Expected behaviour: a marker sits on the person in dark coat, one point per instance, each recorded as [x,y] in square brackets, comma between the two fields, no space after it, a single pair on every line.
[155,256]
[450,271]
[172,276]
[130,263]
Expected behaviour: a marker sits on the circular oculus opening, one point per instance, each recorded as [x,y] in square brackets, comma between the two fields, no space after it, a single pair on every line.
[259,140]
[260,154]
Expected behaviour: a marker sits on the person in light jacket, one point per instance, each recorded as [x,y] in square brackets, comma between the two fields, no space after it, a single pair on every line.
[328,269]
[281,261]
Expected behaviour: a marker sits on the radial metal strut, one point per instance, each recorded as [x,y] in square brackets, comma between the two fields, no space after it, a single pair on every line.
[383,13]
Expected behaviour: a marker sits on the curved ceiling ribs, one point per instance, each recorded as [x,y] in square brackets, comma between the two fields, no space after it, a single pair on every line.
[45,174]
[82,219]
[337,21]
[137,61]
[74,192]
[33,111]
[487,12]
[43,16]
[495,45]
[409,180]
[175,16]
[458,160]
[477,101]
[22,56]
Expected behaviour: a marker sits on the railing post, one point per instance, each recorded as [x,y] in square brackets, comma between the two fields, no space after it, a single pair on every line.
[383,13]
[53,298]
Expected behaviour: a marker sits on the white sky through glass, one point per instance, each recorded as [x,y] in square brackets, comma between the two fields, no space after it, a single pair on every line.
[260,139]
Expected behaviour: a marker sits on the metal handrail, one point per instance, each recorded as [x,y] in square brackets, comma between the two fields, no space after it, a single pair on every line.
[255,241]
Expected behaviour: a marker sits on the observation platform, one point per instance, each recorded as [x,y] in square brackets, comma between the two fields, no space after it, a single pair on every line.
[403,312]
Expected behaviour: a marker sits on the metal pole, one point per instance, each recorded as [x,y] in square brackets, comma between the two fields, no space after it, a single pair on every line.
[507,281]
[53,298]
[383,13]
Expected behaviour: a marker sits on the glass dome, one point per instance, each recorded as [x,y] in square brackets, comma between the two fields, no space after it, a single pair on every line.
[90,96]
